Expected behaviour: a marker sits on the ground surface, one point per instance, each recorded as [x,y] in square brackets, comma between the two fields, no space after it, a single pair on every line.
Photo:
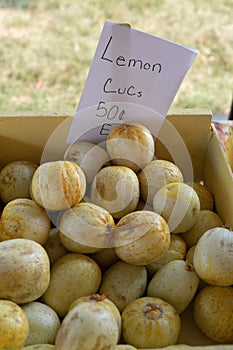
[46,48]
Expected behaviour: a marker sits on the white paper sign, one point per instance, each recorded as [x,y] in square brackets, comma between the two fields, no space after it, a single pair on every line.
[130,67]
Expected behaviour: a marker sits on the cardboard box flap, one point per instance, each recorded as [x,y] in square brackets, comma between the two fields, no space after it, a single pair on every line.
[22,130]
[229,146]
[219,179]
[23,135]
[30,127]
[186,131]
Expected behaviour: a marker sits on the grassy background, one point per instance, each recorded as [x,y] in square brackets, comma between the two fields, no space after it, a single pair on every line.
[46,48]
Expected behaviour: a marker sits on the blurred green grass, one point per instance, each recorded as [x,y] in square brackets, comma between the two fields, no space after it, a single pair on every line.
[46,48]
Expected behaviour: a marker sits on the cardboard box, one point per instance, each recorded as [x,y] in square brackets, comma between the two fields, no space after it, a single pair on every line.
[24,136]
[229,146]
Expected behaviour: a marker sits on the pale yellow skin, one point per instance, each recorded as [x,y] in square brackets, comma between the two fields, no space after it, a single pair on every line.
[213,258]
[90,157]
[116,188]
[205,196]
[206,219]
[89,325]
[105,302]
[213,313]
[179,204]
[176,251]
[24,270]
[141,237]
[176,282]
[130,145]
[54,247]
[40,347]
[72,276]
[15,180]
[43,323]
[24,218]
[155,175]
[190,254]
[123,347]
[13,326]
[189,260]
[105,258]
[196,347]
[150,323]
[58,185]
[86,228]
[124,282]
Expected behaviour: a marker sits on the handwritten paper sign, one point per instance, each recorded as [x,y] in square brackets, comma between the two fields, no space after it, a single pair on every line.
[130,68]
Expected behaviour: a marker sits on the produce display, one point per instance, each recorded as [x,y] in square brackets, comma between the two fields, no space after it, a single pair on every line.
[107,248]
